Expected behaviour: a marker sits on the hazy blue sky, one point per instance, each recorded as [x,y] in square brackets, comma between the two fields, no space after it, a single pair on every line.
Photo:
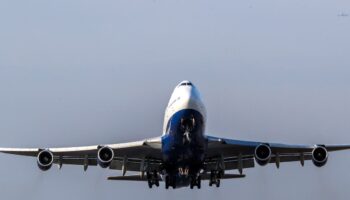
[93,72]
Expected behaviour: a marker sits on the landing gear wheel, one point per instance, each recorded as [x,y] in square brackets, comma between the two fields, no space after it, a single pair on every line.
[195,181]
[149,180]
[155,178]
[218,183]
[170,182]
[167,181]
[199,180]
[173,182]
[215,178]
[152,179]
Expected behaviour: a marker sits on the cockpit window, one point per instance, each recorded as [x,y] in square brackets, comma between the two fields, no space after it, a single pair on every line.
[186,83]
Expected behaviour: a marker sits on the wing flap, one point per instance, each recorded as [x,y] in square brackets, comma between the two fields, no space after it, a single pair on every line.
[290,158]
[134,165]
[230,164]
[75,161]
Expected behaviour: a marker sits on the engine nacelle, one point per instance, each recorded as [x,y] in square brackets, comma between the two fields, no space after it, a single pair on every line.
[262,154]
[45,160]
[319,156]
[105,156]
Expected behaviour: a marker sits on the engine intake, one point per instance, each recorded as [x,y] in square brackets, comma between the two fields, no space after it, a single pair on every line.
[105,156]
[262,154]
[45,160]
[319,156]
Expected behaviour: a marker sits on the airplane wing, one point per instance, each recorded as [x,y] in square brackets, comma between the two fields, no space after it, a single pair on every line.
[130,155]
[228,154]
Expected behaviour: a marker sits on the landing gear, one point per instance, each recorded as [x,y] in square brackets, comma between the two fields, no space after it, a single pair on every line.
[187,126]
[150,184]
[167,182]
[195,181]
[152,179]
[215,178]
[170,182]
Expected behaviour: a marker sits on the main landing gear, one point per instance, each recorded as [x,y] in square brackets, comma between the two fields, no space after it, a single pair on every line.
[152,179]
[170,182]
[195,181]
[215,178]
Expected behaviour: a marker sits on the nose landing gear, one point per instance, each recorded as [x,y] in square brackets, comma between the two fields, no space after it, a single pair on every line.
[187,126]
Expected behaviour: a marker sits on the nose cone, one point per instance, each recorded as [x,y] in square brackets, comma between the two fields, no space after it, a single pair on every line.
[187,90]
[190,98]
[189,94]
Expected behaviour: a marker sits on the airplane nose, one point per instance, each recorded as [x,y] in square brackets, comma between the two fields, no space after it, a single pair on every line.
[188,95]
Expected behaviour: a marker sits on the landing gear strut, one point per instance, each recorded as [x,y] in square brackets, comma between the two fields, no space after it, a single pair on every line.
[170,181]
[195,181]
[215,178]
[152,179]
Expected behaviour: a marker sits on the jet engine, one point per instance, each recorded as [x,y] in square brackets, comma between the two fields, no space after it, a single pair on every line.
[45,160]
[319,156]
[105,156]
[262,154]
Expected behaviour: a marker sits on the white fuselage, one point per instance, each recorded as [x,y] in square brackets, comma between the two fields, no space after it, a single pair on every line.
[184,96]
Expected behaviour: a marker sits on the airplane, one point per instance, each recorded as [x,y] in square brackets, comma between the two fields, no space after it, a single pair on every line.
[183,155]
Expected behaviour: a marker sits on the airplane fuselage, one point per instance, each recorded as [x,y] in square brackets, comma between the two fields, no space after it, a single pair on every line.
[183,142]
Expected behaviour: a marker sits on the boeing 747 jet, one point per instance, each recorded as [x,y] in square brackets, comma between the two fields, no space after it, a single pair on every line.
[183,155]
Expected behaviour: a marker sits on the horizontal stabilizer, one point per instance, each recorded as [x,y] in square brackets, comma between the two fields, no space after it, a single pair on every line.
[129,178]
[139,178]
[225,176]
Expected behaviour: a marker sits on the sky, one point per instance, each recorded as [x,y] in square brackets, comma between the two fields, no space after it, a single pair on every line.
[81,72]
